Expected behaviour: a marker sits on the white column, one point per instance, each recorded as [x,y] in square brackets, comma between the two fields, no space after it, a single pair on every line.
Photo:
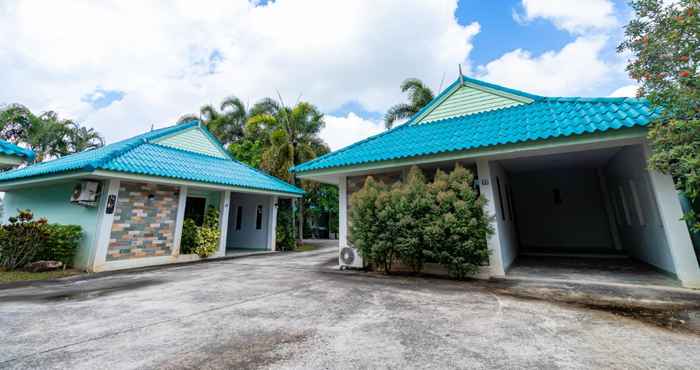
[179,220]
[104,226]
[343,212]
[494,243]
[224,205]
[272,225]
[675,229]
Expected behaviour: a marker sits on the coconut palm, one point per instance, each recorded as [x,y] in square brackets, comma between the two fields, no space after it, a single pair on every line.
[81,138]
[227,123]
[419,96]
[290,137]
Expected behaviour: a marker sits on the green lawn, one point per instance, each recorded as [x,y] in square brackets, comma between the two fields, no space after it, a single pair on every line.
[305,248]
[11,276]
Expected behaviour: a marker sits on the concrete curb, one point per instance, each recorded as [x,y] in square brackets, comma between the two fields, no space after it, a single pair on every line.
[97,275]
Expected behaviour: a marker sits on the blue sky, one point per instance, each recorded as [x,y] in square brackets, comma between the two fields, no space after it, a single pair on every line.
[346,57]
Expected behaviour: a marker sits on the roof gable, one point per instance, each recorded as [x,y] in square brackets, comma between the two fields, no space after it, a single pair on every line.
[194,139]
[470,96]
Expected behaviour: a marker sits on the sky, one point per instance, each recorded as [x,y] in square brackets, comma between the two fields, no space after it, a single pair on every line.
[123,67]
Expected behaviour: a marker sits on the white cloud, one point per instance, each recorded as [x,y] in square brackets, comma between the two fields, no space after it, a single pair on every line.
[578,68]
[343,131]
[575,16]
[161,55]
[625,91]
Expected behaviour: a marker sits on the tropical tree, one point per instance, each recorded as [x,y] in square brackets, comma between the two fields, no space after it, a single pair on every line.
[82,138]
[664,40]
[46,134]
[290,136]
[227,123]
[419,95]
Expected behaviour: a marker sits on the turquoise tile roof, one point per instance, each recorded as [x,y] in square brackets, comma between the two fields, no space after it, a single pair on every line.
[544,118]
[7,148]
[140,156]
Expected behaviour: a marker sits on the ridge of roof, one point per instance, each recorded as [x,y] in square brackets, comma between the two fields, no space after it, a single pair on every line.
[501,88]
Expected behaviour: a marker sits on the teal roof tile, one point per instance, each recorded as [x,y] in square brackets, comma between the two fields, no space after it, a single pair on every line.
[8,148]
[544,118]
[139,155]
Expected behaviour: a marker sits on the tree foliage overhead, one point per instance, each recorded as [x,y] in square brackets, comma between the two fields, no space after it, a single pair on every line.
[227,123]
[419,95]
[46,134]
[664,40]
[289,135]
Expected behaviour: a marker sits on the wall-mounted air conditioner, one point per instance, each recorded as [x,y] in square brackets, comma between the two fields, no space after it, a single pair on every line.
[86,193]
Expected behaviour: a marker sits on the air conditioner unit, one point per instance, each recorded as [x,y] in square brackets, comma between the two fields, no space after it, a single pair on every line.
[86,193]
[349,257]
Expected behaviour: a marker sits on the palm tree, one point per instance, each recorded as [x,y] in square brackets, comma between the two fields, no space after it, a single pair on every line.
[81,138]
[227,123]
[419,96]
[291,137]
[46,134]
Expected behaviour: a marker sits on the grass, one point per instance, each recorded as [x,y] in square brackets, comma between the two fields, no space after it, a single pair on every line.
[305,248]
[18,275]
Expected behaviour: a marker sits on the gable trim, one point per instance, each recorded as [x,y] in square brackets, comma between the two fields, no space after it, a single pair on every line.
[452,89]
[211,139]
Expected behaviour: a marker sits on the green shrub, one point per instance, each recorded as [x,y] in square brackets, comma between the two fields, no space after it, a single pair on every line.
[206,241]
[201,240]
[457,230]
[285,240]
[415,221]
[61,244]
[189,234]
[22,239]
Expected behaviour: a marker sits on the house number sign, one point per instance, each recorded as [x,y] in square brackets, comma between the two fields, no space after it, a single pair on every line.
[111,201]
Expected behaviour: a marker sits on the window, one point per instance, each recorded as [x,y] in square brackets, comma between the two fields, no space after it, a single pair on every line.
[509,197]
[500,198]
[239,218]
[557,196]
[195,208]
[258,218]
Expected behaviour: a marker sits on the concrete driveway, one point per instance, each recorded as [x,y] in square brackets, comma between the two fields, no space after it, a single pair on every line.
[294,311]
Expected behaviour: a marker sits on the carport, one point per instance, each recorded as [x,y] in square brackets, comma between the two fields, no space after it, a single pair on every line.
[588,215]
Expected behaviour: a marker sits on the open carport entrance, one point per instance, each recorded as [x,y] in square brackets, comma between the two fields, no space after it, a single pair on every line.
[585,215]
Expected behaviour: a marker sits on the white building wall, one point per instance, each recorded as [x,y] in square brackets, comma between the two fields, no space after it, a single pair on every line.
[248,236]
[636,212]
[579,221]
[504,214]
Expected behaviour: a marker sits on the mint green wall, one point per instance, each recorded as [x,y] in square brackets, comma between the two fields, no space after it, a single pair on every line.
[468,100]
[53,203]
[194,140]
[213,197]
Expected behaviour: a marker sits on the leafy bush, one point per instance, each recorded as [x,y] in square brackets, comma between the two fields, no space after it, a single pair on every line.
[206,241]
[458,228]
[189,235]
[415,221]
[201,240]
[285,226]
[21,240]
[61,244]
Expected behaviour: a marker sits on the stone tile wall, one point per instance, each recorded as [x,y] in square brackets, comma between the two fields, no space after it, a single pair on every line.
[144,221]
